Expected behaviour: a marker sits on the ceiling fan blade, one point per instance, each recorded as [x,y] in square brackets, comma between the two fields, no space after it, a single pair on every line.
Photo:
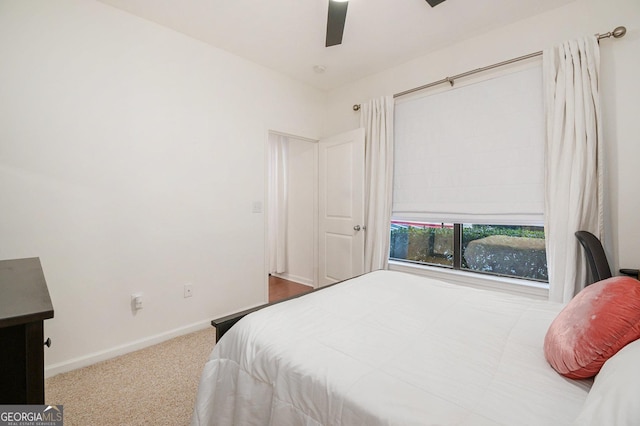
[335,22]
[434,3]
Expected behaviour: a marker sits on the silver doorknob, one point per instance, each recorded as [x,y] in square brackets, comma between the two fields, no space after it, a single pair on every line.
[356,228]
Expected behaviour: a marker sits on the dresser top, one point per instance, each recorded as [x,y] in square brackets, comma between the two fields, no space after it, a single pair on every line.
[24,296]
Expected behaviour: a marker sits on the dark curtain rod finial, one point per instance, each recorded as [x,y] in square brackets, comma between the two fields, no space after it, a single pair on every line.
[618,32]
[356,107]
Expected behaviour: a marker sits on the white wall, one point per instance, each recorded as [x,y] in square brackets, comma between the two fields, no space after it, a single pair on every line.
[130,157]
[620,94]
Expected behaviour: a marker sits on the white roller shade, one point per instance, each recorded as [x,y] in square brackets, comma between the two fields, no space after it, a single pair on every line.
[472,154]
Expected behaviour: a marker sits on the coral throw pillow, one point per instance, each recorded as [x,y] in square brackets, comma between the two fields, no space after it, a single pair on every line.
[597,323]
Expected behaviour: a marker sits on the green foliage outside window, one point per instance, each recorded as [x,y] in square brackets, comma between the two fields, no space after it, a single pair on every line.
[481,231]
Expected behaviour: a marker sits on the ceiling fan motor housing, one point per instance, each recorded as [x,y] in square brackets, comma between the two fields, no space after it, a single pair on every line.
[338,15]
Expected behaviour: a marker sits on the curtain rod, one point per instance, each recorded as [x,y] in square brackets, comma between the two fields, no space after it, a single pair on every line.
[616,33]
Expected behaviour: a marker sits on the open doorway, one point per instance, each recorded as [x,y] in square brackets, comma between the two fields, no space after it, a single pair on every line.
[292,208]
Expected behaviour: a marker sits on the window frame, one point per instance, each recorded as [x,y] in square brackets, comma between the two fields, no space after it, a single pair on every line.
[515,286]
[469,277]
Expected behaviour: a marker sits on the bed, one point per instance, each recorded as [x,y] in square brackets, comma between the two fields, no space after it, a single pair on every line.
[391,348]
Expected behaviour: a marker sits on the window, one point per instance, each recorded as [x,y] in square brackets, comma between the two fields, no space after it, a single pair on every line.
[511,251]
[468,178]
[425,243]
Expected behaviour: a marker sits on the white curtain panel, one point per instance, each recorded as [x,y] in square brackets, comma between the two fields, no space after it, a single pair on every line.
[377,120]
[573,160]
[277,203]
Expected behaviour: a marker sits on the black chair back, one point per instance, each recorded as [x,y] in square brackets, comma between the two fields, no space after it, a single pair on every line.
[597,259]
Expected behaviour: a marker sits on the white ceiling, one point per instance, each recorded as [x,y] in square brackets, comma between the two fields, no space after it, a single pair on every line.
[288,35]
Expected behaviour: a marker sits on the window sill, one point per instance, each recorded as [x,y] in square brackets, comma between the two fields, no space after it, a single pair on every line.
[488,282]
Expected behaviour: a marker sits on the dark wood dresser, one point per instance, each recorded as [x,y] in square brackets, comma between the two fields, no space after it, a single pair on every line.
[24,305]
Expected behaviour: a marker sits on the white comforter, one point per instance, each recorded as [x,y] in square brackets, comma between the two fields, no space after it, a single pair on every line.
[389,348]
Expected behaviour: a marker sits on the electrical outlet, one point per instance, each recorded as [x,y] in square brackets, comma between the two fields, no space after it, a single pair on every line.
[188,290]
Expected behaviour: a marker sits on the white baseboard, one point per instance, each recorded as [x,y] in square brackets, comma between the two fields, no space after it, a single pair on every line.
[295,278]
[84,361]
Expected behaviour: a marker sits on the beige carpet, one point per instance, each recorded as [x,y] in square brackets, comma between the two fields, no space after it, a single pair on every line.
[153,386]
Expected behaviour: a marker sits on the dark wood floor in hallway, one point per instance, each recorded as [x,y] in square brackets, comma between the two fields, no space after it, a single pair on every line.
[281,289]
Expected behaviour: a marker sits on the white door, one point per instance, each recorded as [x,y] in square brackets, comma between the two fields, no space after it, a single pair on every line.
[341,207]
